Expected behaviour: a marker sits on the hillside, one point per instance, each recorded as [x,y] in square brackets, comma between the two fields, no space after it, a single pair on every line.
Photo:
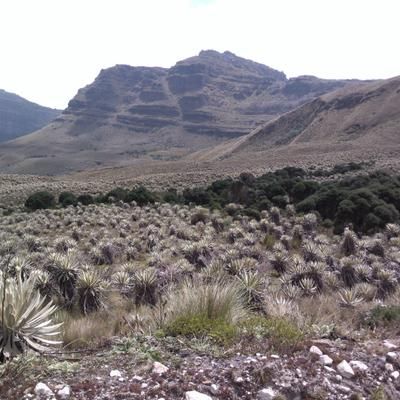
[129,114]
[359,116]
[19,117]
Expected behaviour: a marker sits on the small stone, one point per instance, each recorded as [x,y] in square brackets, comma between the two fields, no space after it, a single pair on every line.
[389,367]
[159,368]
[275,356]
[64,393]
[41,389]
[329,369]
[344,389]
[115,373]
[214,389]
[316,350]
[395,374]
[338,378]
[266,394]
[389,345]
[239,379]
[195,395]
[392,356]
[345,369]
[325,360]
[359,366]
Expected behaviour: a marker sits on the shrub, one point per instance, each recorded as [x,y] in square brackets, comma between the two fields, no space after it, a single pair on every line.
[171,196]
[85,199]
[117,194]
[252,213]
[142,196]
[40,200]
[67,199]
[282,334]
[385,316]
[197,196]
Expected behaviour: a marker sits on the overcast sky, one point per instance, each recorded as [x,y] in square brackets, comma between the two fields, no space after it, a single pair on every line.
[51,48]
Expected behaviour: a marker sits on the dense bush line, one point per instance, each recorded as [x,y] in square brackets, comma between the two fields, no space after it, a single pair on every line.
[366,202]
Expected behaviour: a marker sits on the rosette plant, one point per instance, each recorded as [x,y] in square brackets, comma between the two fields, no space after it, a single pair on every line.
[25,317]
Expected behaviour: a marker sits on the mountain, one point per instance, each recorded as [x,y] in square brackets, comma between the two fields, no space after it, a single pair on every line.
[360,116]
[19,117]
[129,114]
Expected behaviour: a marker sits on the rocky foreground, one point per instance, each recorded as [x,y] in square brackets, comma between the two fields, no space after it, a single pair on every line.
[323,369]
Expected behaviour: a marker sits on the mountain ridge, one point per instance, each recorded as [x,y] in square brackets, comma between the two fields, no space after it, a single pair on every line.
[360,115]
[133,113]
[19,116]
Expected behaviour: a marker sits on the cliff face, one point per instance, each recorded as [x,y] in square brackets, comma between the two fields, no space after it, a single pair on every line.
[214,94]
[130,113]
[19,117]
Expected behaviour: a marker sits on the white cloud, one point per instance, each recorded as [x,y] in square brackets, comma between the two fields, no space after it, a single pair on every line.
[49,49]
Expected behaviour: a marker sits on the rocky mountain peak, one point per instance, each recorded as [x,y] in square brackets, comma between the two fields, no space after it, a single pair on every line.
[151,112]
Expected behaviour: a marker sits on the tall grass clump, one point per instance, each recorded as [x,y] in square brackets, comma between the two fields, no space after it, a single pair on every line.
[206,309]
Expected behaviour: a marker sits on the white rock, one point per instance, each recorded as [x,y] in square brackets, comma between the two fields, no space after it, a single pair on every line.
[159,368]
[266,394]
[115,373]
[214,389]
[275,356]
[343,389]
[389,345]
[194,395]
[338,378]
[345,369]
[392,356]
[358,366]
[41,389]
[395,374]
[325,360]
[389,367]
[64,393]
[316,350]
[329,369]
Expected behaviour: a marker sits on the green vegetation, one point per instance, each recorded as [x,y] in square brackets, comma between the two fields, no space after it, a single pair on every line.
[366,202]
[199,309]
[200,325]
[67,199]
[383,316]
[281,333]
[40,200]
